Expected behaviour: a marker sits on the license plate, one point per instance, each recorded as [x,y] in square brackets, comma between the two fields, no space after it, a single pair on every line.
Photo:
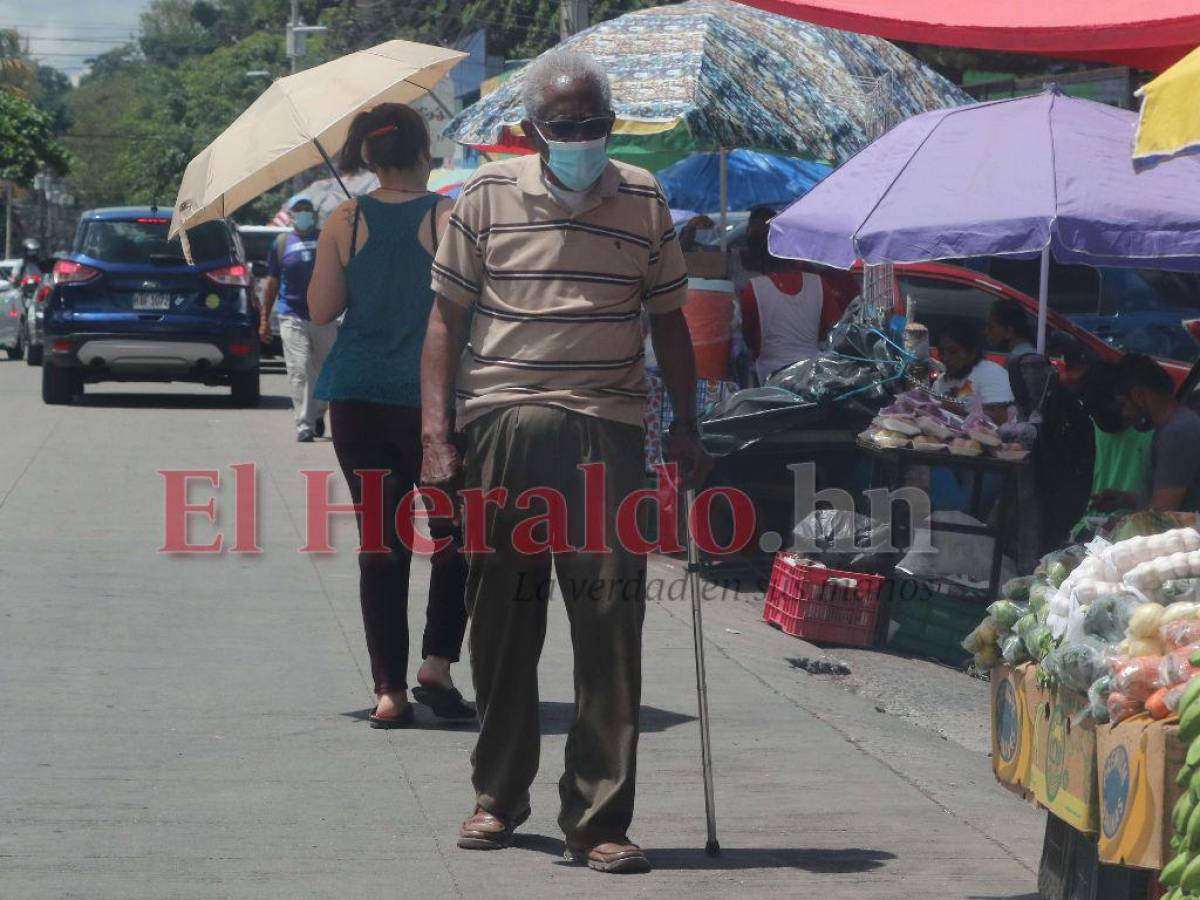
[151,301]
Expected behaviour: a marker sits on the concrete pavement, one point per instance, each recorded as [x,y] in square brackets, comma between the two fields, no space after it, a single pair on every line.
[194,727]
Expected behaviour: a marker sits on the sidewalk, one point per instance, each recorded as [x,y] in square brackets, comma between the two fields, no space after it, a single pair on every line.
[196,727]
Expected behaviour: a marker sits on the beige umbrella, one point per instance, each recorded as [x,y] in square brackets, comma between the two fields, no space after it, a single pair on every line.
[298,122]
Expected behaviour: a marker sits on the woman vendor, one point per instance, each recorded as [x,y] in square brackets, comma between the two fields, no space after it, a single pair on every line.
[970,377]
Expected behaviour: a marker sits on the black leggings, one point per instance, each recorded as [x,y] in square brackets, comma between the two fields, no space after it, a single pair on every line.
[381,436]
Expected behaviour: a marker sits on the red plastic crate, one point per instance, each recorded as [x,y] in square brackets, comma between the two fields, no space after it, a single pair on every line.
[802,602]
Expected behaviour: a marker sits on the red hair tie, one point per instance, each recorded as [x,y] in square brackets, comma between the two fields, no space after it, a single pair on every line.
[384,130]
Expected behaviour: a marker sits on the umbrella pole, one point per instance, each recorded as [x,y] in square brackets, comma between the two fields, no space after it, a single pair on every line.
[1043,299]
[723,164]
[332,167]
[712,848]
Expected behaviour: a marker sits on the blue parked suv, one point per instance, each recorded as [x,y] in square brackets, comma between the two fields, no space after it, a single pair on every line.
[126,306]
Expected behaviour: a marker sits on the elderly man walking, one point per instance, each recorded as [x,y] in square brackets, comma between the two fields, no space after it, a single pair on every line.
[547,266]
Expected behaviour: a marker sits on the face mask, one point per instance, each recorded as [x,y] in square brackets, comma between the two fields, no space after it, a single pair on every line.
[706,236]
[304,220]
[577,164]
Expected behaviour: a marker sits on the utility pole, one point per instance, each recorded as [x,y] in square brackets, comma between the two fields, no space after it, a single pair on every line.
[573,17]
[8,219]
[297,35]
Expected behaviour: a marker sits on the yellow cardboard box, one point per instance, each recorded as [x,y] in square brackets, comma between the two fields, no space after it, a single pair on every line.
[1012,736]
[1139,760]
[1062,773]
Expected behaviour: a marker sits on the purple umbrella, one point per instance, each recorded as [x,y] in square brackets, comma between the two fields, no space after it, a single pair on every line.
[1036,175]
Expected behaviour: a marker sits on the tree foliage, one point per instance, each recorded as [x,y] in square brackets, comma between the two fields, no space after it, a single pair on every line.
[27,143]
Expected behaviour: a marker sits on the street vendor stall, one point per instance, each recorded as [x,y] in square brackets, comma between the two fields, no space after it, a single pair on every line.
[1095,670]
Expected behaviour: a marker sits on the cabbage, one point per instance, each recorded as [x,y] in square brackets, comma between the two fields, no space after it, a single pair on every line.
[1006,613]
[1108,617]
[1013,650]
[1076,665]
[1144,522]
[1017,589]
[1039,596]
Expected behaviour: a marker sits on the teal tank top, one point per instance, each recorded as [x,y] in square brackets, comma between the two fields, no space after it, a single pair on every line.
[377,354]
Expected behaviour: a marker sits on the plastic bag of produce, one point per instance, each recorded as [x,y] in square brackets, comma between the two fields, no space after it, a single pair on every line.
[1176,666]
[1037,637]
[988,657]
[1061,563]
[1140,523]
[1180,633]
[1077,664]
[1145,620]
[1108,617]
[1137,677]
[1097,693]
[984,635]
[1181,590]
[1006,613]
[1012,648]
[1039,596]
[1156,704]
[1121,707]
[1017,589]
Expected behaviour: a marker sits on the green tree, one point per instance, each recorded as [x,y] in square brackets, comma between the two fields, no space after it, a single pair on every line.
[27,144]
[16,69]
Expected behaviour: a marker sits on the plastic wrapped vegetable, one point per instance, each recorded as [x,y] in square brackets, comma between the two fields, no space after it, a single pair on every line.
[1141,523]
[1180,633]
[1062,563]
[1121,707]
[1039,597]
[1017,589]
[1178,612]
[1006,613]
[984,635]
[1098,692]
[1108,617]
[1012,648]
[1145,620]
[1077,664]
[1156,704]
[1137,677]
[1038,640]
[988,657]
[1176,666]
[1151,646]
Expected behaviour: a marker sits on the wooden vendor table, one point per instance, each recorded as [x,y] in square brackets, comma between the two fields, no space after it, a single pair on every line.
[895,464]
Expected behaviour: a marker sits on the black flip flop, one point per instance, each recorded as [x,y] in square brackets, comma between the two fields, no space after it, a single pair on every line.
[404,720]
[446,703]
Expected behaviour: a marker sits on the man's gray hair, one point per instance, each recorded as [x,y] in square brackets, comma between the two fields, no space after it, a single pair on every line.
[572,65]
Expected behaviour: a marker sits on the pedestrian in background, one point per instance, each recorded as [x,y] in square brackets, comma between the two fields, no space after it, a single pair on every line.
[306,343]
[546,267]
[373,262]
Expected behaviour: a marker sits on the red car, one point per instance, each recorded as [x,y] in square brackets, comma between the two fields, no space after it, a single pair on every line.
[934,293]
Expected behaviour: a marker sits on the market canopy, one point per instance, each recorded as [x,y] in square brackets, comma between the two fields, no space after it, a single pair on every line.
[1036,175]
[711,74]
[1169,125]
[1148,35]
[753,179]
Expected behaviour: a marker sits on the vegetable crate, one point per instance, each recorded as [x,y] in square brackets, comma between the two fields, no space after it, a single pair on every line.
[823,605]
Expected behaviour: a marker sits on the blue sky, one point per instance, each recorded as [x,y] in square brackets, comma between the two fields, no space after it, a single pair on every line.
[63,33]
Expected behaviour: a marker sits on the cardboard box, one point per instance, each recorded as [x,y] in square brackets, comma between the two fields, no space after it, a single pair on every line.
[1139,760]
[1062,773]
[707,264]
[1012,736]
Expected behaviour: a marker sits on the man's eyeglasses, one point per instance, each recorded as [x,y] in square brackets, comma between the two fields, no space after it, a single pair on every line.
[575,130]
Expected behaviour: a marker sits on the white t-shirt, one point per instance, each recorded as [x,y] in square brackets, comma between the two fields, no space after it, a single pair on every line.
[987,381]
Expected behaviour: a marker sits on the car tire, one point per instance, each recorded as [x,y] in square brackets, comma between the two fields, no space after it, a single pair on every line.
[33,357]
[244,387]
[18,349]
[59,385]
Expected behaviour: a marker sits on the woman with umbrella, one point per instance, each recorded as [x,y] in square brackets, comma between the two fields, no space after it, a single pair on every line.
[373,262]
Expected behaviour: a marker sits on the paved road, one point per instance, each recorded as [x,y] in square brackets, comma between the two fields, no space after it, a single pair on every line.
[194,727]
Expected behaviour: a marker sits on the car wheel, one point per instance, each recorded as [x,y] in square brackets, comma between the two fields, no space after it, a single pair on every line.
[34,356]
[245,388]
[59,384]
[18,349]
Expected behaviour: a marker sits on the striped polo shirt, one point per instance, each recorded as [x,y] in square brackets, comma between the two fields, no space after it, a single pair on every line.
[557,294]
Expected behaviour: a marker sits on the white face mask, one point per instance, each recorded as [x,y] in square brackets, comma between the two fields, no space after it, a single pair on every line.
[706,236]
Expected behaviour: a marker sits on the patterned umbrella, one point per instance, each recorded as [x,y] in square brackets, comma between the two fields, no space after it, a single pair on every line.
[708,74]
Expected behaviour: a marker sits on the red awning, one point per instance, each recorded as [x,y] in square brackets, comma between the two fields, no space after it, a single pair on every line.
[1151,34]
